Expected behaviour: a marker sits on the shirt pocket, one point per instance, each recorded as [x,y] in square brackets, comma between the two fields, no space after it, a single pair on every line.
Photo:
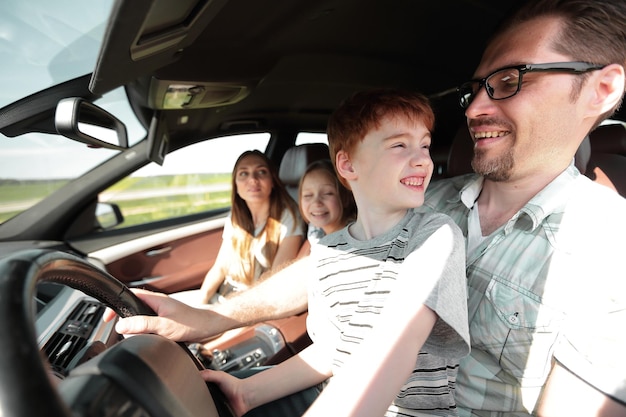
[524,329]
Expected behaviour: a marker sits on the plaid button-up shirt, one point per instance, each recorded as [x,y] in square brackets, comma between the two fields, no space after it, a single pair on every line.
[550,283]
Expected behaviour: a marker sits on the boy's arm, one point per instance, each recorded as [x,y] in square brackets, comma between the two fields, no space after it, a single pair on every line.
[308,368]
[371,379]
[375,374]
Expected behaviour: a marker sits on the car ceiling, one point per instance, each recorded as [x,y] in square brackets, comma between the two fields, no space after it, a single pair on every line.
[297,59]
[292,61]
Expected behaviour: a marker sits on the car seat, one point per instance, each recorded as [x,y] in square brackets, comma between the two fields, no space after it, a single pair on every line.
[292,167]
[607,163]
[296,160]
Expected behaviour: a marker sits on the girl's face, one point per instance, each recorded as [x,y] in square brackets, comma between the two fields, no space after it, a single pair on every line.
[319,201]
[253,179]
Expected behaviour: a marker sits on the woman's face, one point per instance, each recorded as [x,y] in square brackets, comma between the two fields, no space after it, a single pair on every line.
[319,201]
[253,179]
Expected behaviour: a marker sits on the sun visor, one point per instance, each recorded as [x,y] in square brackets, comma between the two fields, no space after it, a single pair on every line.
[145,35]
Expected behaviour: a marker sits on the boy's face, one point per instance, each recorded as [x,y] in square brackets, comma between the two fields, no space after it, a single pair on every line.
[392,165]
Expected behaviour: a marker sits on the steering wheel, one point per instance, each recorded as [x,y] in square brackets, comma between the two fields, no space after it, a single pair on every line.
[145,374]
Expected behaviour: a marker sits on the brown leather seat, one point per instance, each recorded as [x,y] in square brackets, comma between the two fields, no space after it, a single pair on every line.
[295,161]
[607,163]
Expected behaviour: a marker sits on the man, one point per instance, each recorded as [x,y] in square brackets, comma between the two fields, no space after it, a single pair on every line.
[546,284]
[541,296]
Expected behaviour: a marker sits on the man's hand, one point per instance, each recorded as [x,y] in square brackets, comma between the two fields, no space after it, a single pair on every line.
[175,320]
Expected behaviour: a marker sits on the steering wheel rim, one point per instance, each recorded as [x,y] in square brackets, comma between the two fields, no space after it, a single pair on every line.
[22,368]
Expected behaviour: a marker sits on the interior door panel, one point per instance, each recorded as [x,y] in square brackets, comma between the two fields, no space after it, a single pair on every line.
[167,261]
[170,266]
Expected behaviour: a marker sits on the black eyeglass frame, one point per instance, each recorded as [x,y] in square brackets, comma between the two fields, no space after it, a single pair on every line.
[574,67]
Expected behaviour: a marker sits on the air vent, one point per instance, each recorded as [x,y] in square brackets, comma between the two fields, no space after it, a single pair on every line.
[73,336]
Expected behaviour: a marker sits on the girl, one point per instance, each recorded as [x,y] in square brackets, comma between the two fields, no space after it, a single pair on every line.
[325,204]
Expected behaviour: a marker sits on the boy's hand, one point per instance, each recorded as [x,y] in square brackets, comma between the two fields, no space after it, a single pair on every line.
[231,387]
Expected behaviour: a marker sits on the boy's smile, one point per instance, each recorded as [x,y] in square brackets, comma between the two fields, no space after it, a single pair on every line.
[393,163]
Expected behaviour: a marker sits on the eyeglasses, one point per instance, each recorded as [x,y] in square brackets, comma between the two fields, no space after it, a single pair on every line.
[506,82]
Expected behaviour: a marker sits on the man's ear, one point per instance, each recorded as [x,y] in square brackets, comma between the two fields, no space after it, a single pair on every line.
[344,166]
[609,88]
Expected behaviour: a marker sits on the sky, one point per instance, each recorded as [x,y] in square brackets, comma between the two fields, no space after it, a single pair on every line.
[44,42]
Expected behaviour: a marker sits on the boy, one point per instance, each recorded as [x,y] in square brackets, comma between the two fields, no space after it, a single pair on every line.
[387,296]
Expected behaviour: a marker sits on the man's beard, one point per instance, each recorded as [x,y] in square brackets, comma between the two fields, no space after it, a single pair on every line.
[498,169]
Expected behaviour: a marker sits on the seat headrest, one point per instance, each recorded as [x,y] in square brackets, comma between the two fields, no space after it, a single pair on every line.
[461,153]
[582,155]
[609,138]
[296,160]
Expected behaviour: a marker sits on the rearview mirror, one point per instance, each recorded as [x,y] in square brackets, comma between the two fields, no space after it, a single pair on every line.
[80,120]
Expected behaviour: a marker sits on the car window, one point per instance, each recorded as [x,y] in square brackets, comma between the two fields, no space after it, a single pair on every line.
[192,180]
[34,165]
[311,137]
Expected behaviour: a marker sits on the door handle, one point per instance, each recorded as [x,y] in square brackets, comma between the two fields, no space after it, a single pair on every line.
[157,252]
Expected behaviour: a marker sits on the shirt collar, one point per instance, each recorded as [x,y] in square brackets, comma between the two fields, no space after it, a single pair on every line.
[550,200]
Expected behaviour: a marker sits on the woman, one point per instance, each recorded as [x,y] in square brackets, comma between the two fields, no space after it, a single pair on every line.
[263,231]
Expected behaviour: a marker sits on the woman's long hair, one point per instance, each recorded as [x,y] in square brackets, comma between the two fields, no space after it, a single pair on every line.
[243,224]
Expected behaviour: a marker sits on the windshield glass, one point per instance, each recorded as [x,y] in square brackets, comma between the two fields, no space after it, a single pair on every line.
[44,43]
[47,42]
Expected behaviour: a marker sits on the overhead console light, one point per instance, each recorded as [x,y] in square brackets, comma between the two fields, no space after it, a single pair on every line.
[194,95]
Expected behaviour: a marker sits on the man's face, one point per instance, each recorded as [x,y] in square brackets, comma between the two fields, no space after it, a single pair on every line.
[533,133]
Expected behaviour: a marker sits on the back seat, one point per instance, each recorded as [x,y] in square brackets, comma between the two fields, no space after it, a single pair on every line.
[296,160]
[607,163]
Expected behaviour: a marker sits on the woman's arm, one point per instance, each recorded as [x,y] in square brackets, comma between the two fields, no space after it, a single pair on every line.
[216,275]
[305,249]
[287,251]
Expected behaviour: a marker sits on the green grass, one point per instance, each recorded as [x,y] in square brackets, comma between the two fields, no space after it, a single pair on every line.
[15,191]
[142,211]
[145,183]
[16,196]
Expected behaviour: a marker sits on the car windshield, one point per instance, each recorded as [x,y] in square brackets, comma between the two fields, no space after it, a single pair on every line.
[44,43]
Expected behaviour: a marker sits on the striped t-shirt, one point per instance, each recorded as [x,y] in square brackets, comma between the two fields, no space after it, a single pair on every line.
[348,289]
